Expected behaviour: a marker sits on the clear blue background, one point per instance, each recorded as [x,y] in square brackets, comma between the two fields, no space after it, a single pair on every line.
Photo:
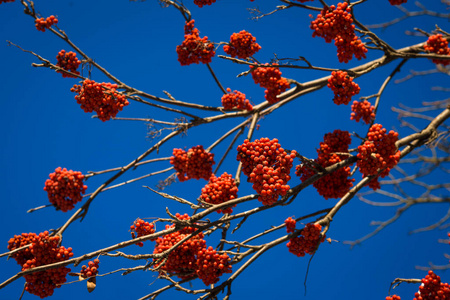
[43,128]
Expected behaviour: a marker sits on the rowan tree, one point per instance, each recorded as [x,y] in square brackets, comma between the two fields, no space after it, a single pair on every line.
[212,149]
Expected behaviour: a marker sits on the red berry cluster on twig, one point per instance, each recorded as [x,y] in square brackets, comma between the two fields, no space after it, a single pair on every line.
[267,166]
[363,110]
[91,270]
[397,2]
[194,49]
[200,3]
[378,153]
[439,45]
[65,188]
[196,163]
[219,190]
[19,241]
[236,100]
[242,45]
[43,250]
[393,297]
[182,260]
[336,23]
[141,228]
[270,78]
[99,97]
[42,24]
[290,225]
[211,265]
[332,150]
[432,288]
[343,87]
[307,242]
[69,62]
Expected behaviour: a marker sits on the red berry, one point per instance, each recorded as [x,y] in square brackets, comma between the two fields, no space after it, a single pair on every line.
[220,189]
[42,24]
[439,45]
[242,45]
[65,188]
[195,163]
[69,62]
[102,98]
[343,87]
[236,100]
[194,49]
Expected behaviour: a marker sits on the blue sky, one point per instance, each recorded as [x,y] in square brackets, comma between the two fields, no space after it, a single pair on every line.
[43,128]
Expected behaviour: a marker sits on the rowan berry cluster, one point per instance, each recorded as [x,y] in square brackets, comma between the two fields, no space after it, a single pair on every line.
[336,23]
[42,24]
[99,97]
[219,190]
[290,224]
[267,166]
[236,100]
[43,250]
[270,79]
[432,288]
[19,241]
[397,2]
[362,110]
[65,188]
[337,183]
[439,45]
[196,163]
[141,228]
[6,1]
[378,153]
[242,45]
[307,242]
[69,62]
[200,3]
[194,49]
[343,87]
[393,297]
[211,265]
[91,270]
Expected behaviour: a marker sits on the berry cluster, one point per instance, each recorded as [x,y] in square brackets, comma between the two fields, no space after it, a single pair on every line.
[270,78]
[181,261]
[290,224]
[378,153]
[242,45]
[393,297]
[43,250]
[141,228]
[235,99]
[363,110]
[432,288]
[397,2]
[211,265]
[439,45]
[336,23]
[6,1]
[69,62]
[194,49]
[343,87]
[99,97]
[337,183]
[195,163]
[200,3]
[267,166]
[19,241]
[42,24]
[65,188]
[307,242]
[91,270]
[220,189]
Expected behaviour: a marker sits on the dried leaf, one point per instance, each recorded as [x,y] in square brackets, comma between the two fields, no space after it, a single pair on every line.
[91,284]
